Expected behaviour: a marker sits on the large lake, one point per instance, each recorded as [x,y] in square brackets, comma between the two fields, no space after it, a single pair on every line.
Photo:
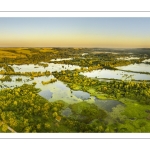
[115,74]
[136,67]
[36,68]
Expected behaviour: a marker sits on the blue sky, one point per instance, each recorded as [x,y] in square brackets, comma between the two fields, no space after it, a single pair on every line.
[75,32]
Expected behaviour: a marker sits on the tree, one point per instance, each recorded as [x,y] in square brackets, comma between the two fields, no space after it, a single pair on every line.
[4,127]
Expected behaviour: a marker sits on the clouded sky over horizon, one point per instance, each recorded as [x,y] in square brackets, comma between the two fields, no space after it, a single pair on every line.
[75,32]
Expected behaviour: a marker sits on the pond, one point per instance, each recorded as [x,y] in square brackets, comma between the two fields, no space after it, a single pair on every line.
[107,104]
[136,67]
[66,112]
[115,74]
[47,94]
[37,68]
[25,80]
[59,91]
[14,83]
[81,95]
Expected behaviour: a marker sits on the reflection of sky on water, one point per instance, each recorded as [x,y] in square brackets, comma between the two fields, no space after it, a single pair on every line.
[115,74]
[136,67]
[26,80]
[36,68]
[66,112]
[59,91]
[106,104]
[47,94]
[81,95]
[128,58]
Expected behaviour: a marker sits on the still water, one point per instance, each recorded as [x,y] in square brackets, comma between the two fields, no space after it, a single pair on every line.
[136,67]
[36,68]
[127,58]
[59,91]
[115,74]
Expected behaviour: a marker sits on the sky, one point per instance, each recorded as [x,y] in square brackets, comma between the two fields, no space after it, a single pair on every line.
[75,32]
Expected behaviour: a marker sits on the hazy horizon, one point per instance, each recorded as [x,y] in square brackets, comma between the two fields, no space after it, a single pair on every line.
[75,32]
[120,48]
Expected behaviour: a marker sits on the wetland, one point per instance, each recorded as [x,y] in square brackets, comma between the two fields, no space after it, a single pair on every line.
[72,90]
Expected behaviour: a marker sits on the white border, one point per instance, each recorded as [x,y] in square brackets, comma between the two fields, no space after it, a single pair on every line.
[75,135]
[74,5]
[74,14]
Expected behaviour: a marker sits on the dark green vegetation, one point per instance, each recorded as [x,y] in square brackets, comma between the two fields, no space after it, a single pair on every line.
[24,110]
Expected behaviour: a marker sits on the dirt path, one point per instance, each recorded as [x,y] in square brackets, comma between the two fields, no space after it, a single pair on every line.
[9,128]
[12,130]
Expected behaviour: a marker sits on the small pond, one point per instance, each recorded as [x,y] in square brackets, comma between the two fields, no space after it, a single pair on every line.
[47,94]
[81,95]
[66,112]
[107,104]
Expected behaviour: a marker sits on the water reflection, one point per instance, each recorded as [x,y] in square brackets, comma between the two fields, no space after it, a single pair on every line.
[82,95]
[107,104]
[115,74]
[66,112]
[47,94]
[60,91]
[36,68]
[136,67]
[128,58]
[25,80]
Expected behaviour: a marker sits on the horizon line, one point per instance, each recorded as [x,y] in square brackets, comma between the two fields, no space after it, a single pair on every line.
[73,47]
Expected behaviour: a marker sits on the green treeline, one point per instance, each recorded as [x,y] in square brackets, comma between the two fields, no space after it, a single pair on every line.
[32,74]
